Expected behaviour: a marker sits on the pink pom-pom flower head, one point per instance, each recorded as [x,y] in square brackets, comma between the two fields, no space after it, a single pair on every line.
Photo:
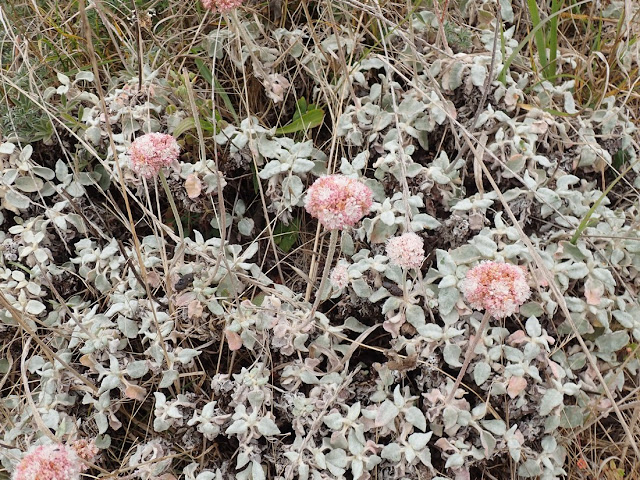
[49,462]
[338,201]
[407,250]
[151,152]
[221,6]
[85,449]
[499,288]
[340,276]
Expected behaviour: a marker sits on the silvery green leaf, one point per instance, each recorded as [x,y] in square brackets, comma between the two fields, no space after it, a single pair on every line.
[292,189]
[451,355]
[612,342]
[336,461]
[302,165]
[488,442]
[485,245]
[85,75]
[7,148]
[431,332]
[128,327]
[16,200]
[103,441]
[576,270]
[360,160]
[9,176]
[93,135]
[448,281]
[533,327]
[447,299]
[361,287]
[418,441]
[551,399]
[208,476]
[529,469]
[388,218]
[392,452]
[333,420]
[415,417]
[168,377]
[75,190]
[455,460]
[160,425]
[137,369]
[274,167]
[497,427]
[346,243]
[101,422]
[238,427]
[245,226]
[481,372]
[605,276]
[569,103]
[415,315]
[109,383]
[34,307]
[187,354]
[446,265]
[63,79]
[506,10]
[267,427]
[531,309]
[387,412]
[478,75]
[29,184]
[549,444]
[572,416]
[423,221]
[257,472]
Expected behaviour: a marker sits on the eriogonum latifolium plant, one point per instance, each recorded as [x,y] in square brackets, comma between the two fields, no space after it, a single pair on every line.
[499,289]
[235,371]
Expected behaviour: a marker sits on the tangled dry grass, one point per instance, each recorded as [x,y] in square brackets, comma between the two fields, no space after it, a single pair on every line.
[168,318]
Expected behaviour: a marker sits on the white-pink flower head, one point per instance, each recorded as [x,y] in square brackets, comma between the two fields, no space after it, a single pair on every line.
[85,449]
[49,462]
[152,151]
[499,288]
[221,6]
[339,276]
[407,250]
[338,201]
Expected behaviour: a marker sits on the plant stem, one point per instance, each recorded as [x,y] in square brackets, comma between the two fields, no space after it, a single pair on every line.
[468,356]
[333,241]
[174,209]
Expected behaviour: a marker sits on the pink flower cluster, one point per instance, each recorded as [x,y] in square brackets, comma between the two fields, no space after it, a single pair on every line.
[339,276]
[221,6]
[55,461]
[85,449]
[407,250]
[49,462]
[499,288]
[152,151]
[338,201]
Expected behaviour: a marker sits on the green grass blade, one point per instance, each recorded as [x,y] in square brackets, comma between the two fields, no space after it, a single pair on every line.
[534,30]
[539,36]
[207,75]
[306,121]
